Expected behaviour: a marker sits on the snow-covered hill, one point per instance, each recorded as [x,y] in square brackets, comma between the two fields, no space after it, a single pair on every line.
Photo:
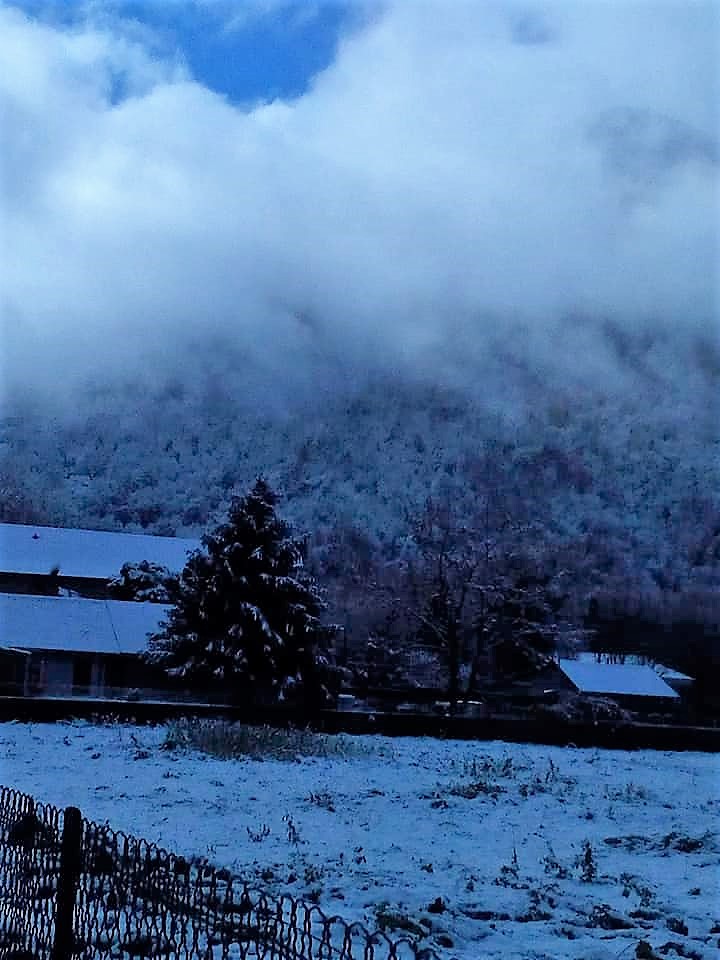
[614,460]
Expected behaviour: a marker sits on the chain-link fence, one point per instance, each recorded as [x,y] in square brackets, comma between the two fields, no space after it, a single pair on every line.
[71,888]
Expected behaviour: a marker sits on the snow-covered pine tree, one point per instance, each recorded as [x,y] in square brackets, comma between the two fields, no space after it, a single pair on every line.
[247,616]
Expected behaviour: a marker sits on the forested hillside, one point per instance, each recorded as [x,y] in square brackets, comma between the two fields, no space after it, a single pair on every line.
[604,467]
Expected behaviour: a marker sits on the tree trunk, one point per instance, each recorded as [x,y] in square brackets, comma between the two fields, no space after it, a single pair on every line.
[453,641]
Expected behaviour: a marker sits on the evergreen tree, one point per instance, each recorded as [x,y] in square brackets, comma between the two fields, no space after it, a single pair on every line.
[246,615]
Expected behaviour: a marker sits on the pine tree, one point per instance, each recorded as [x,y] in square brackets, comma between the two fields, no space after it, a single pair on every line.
[247,616]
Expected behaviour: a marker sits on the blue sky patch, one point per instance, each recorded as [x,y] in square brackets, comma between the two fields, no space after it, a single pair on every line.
[244,51]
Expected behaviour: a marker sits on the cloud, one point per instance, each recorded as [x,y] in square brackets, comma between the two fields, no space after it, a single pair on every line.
[459,169]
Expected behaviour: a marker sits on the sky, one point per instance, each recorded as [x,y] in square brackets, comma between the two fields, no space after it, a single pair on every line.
[373,179]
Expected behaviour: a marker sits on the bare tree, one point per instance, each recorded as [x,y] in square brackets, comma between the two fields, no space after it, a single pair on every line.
[475,590]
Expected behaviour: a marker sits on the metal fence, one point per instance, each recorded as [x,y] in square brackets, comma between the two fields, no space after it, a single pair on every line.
[71,889]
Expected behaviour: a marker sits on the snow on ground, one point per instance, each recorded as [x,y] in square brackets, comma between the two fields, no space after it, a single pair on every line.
[509,851]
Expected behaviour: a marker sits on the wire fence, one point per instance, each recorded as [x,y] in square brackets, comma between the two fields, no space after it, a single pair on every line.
[71,889]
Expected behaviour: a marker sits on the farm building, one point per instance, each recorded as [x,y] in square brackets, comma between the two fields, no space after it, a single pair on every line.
[71,646]
[680,682]
[50,560]
[638,687]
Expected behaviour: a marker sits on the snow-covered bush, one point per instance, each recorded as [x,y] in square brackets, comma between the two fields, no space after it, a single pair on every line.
[143,581]
[580,708]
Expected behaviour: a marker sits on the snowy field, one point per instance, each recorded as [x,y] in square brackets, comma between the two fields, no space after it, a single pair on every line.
[496,850]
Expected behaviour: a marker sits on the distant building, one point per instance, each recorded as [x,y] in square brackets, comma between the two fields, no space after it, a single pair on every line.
[49,560]
[637,687]
[680,682]
[71,646]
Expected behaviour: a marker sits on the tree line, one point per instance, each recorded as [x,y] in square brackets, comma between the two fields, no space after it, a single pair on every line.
[249,619]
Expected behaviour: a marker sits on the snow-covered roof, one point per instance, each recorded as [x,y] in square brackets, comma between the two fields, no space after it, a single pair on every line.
[637,660]
[615,678]
[85,553]
[77,625]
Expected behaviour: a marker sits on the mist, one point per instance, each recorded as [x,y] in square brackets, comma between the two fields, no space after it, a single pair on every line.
[462,178]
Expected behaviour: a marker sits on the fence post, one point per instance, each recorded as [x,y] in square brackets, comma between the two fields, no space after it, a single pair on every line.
[70,849]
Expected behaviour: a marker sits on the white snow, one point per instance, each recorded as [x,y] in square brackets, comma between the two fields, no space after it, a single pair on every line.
[618,678]
[632,659]
[77,625]
[496,830]
[85,553]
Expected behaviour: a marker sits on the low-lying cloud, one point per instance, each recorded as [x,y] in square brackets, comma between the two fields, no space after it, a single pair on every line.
[459,167]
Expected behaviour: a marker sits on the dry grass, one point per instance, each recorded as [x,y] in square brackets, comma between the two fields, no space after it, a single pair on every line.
[233,741]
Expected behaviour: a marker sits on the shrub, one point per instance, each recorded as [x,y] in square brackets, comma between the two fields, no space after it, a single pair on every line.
[241,741]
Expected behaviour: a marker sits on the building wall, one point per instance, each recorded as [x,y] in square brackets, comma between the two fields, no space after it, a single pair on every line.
[645,705]
[12,672]
[97,678]
[57,675]
[48,585]
[50,673]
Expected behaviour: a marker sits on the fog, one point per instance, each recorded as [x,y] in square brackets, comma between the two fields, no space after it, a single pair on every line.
[463,176]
